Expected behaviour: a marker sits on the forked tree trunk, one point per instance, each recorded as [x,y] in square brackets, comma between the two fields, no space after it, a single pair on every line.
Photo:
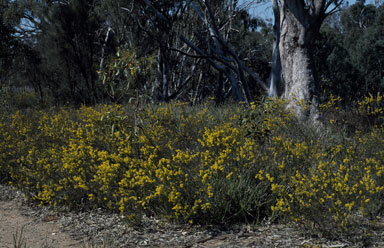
[299,28]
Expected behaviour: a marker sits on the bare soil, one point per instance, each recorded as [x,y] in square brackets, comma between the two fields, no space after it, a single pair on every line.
[35,233]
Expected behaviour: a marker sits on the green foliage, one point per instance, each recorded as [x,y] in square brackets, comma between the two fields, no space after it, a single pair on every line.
[4,97]
[59,55]
[69,49]
[349,53]
[126,77]
[24,99]
[333,61]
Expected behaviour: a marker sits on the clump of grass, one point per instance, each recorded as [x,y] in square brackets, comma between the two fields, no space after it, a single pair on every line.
[105,242]
[18,238]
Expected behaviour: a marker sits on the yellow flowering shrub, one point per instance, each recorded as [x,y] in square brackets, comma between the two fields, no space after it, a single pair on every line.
[6,151]
[172,160]
[196,164]
[325,181]
[372,106]
[184,163]
[17,136]
[323,188]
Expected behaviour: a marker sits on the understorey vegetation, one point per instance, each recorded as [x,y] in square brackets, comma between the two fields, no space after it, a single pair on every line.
[203,164]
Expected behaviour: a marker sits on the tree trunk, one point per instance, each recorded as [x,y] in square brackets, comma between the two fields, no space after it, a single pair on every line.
[219,90]
[274,83]
[163,73]
[298,32]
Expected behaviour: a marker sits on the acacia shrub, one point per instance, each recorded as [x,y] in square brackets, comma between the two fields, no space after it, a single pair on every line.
[199,164]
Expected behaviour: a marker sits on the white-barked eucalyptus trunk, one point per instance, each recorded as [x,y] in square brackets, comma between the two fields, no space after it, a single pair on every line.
[300,25]
[274,83]
[300,22]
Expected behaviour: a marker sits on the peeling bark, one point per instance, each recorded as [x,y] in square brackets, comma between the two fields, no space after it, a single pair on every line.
[300,25]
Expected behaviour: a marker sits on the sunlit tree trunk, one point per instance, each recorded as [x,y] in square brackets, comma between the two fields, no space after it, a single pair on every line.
[300,23]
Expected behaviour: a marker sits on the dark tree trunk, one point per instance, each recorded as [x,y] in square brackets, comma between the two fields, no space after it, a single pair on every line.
[163,71]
